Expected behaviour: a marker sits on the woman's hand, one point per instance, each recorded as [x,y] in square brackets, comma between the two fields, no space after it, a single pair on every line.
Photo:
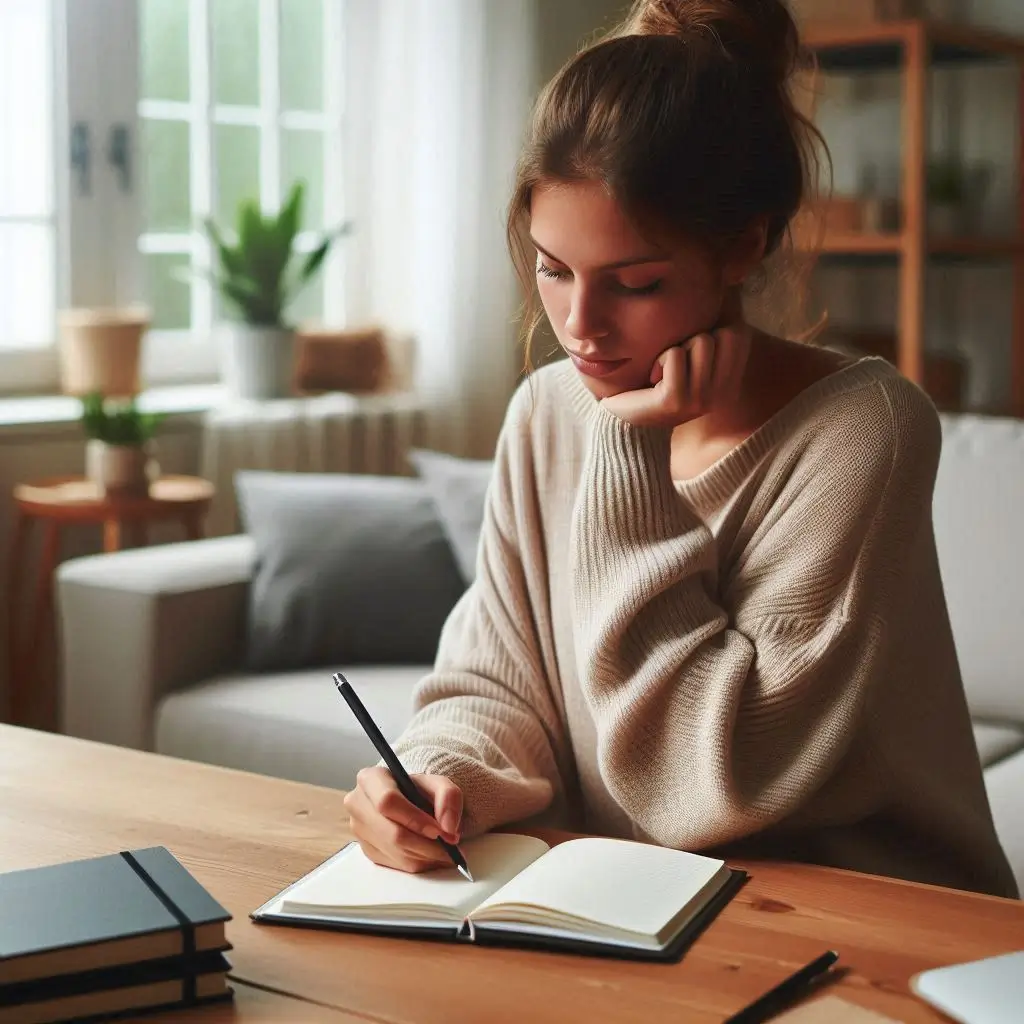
[394,833]
[688,380]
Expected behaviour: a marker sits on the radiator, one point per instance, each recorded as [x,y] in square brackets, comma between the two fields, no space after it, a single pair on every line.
[335,433]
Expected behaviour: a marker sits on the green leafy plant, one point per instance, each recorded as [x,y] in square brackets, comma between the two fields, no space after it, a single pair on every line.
[259,271]
[120,423]
[946,182]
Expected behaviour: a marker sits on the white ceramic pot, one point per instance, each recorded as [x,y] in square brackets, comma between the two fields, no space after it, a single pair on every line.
[119,468]
[101,350]
[257,362]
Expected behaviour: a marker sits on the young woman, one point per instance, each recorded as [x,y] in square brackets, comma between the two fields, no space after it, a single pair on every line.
[708,612]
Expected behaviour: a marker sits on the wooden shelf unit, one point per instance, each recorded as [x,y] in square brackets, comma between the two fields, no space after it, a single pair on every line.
[913,47]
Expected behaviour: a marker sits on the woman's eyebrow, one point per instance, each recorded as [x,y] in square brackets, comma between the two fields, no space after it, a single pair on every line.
[633,261]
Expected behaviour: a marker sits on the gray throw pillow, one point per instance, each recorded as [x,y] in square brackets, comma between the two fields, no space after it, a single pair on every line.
[459,488]
[349,569]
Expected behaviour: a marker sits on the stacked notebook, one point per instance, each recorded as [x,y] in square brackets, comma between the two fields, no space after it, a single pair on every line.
[132,931]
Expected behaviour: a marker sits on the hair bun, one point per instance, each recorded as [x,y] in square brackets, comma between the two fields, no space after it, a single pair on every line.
[759,32]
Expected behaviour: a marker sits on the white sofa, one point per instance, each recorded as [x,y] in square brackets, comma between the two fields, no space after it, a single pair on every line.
[152,641]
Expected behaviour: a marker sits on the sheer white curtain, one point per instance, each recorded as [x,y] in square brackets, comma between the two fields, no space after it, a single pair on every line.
[440,92]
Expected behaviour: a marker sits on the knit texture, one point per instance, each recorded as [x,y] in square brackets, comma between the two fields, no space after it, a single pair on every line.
[754,662]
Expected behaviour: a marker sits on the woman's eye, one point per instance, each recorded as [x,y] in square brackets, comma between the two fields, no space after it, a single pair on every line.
[645,289]
[558,275]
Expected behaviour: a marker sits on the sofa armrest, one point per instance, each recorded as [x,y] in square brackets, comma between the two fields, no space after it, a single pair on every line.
[137,624]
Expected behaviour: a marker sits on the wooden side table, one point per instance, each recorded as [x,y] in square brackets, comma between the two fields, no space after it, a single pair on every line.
[67,501]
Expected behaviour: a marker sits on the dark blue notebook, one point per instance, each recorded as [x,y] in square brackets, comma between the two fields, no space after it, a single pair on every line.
[124,908]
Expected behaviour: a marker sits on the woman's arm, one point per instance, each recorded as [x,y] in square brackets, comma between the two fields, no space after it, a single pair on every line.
[485,715]
[715,722]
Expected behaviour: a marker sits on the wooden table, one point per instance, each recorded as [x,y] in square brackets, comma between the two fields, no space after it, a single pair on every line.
[64,501]
[245,837]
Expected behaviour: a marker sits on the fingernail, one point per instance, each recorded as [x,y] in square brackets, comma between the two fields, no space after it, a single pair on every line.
[450,823]
[430,832]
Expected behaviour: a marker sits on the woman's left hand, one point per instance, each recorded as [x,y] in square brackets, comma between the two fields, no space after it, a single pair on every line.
[688,380]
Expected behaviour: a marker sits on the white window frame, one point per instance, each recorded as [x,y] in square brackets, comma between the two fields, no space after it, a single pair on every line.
[98,236]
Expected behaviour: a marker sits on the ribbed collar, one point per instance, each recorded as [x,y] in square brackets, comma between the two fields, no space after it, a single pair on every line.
[710,489]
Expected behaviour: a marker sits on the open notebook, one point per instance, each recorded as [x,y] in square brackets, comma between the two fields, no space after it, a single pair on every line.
[599,896]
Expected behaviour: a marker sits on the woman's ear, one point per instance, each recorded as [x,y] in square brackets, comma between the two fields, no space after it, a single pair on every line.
[746,253]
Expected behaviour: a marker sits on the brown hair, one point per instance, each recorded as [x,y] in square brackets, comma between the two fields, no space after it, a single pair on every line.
[685,113]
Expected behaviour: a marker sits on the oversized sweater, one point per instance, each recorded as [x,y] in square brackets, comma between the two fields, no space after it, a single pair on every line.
[755,662]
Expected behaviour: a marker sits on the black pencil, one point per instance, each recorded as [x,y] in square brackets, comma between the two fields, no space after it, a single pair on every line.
[775,1000]
[405,785]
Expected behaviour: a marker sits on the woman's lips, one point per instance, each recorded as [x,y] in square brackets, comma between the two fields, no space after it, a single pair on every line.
[596,367]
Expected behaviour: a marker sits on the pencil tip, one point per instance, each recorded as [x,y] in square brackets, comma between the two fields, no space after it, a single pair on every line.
[465,873]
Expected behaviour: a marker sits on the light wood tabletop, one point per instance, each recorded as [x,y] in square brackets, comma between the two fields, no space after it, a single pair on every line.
[245,837]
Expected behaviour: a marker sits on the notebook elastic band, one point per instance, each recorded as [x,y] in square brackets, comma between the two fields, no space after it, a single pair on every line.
[188,932]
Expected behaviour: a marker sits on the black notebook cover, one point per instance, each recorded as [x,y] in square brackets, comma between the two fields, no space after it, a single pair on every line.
[46,913]
[483,936]
[24,993]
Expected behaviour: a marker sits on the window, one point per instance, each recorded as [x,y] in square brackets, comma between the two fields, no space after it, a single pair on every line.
[160,113]
[28,219]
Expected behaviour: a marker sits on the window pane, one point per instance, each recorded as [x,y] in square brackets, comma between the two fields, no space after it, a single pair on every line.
[165,158]
[27,283]
[309,304]
[164,50]
[235,27]
[302,54]
[302,157]
[26,157]
[237,169]
[169,297]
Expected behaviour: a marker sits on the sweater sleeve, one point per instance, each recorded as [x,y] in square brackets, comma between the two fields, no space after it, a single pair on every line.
[485,716]
[723,704]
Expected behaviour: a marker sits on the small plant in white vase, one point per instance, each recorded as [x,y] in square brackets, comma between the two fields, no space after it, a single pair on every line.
[119,449]
[260,272]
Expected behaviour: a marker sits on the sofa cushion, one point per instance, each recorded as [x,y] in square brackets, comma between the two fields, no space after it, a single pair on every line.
[290,725]
[979,493]
[996,741]
[1005,784]
[349,569]
[459,489]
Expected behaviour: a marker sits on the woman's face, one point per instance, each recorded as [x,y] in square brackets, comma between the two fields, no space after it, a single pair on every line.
[615,301]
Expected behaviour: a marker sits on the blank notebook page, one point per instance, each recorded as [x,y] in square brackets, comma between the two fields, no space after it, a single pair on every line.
[627,885]
[353,881]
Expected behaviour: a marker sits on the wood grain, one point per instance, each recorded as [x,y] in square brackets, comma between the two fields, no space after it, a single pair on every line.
[245,837]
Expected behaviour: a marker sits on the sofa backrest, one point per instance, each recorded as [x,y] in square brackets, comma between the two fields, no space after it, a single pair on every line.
[979,529]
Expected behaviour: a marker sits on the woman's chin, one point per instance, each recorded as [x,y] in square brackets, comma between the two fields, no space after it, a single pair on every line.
[607,387]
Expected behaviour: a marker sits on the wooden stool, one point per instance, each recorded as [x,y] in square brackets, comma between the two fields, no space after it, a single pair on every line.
[64,501]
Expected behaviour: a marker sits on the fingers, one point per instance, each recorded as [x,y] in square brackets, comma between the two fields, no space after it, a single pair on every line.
[379,787]
[390,830]
[447,800]
[700,353]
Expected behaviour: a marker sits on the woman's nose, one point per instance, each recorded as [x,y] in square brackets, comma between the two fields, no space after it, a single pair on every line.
[587,319]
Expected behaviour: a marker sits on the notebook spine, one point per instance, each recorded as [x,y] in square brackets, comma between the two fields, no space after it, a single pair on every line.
[188,931]
[466,932]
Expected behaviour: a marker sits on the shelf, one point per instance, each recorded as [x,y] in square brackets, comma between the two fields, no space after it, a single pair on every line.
[880,46]
[857,245]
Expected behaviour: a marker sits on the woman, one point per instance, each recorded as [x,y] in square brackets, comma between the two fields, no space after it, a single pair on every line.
[708,612]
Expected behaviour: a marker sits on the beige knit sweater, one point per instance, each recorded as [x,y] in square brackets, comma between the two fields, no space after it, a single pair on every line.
[755,662]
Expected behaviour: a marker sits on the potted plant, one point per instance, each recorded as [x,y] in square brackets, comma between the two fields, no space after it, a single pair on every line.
[101,350]
[947,197]
[118,452]
[260,273]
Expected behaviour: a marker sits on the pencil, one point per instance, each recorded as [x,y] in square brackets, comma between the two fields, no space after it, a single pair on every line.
[776,999]
[405,785]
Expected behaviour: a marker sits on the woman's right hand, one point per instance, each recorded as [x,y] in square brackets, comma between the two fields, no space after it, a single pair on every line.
[394,833]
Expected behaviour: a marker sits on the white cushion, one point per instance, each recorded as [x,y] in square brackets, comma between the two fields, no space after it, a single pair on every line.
[1005,785]
[979,496]
[293,725]
[995,741]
